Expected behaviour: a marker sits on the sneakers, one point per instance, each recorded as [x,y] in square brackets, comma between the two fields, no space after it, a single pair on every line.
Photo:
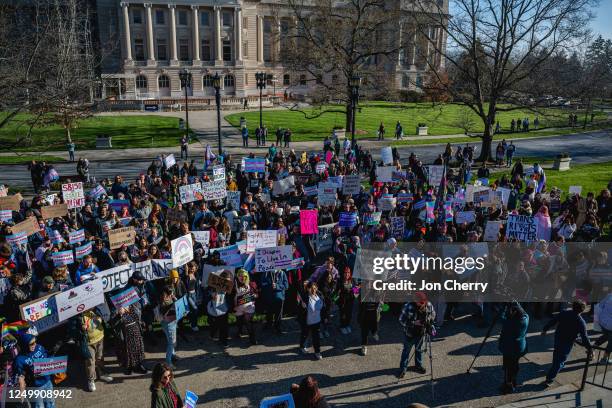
[106,378]
[420,369]
[606,360]
[401,374]
[364,350]
[91,385]
[318,356]
[375,337]
[303,350]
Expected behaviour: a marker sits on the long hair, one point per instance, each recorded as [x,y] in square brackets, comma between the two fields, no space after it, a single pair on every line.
[158,373]
[308,393]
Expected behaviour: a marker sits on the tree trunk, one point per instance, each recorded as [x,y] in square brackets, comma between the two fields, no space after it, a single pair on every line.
[349,119]
[486,145]
[68,135]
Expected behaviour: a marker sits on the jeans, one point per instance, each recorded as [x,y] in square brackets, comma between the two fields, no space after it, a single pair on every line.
[313,330]
[193,309]
[560,355]
[170,332]
[44,402]
[219,323]
[511,369]
[71,155]
[417,342]
[184,150]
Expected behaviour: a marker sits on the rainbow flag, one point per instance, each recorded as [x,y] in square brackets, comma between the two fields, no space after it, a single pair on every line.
[16,327]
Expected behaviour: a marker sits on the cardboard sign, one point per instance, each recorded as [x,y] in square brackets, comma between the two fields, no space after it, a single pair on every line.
[62,258]
[220,284]
[284,186]
[325,238]
[465,217]
[51,365]
[261,239]
[233,198]
[37,309]
[269,259]
[351,184]
[10,202]
[125,298]
[214,190]
[75,237]
[29,226]
[522,228]
[73,194]
[218,173]
[76,300]
[54,211]
[386,155]
[203,237]
[309,221]
[182,250]
[256,165]
[169,161]
[435,175]
[385,174]
[121,236]
[190,193]
[348,219]
[492,231]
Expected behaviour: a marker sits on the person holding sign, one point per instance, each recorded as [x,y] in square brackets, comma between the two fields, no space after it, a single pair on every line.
[164,393]
[87,270]
[30,350]
[130,345]
[217,309]
[309,315]
[244,304]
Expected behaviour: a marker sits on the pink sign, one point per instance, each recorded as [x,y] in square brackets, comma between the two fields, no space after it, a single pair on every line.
[309,221]
[328,157]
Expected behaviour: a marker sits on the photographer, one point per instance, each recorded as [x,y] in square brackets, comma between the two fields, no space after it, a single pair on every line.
[512,343]
[417,320]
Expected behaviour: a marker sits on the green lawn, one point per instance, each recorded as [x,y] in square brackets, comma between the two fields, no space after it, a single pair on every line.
[441,120]
[23,159]
[126,131]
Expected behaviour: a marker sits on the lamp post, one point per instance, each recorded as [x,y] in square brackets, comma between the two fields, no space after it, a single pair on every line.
[355,84]
[185,77]
[261,78]
[217,86]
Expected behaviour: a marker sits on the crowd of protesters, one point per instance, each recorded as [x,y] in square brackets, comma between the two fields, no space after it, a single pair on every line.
[320,291]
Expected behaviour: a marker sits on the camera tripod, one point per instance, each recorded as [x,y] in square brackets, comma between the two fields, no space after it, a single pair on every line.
[425,346]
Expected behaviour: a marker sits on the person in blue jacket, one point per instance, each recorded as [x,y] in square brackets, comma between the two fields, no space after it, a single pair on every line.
[24,370]
[273,287]
[86,270]
[569,324]
[513,343]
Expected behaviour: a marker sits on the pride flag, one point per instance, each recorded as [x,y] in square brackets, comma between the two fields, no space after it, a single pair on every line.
[16,327]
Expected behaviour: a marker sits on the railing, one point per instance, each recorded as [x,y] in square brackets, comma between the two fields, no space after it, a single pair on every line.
[600,367]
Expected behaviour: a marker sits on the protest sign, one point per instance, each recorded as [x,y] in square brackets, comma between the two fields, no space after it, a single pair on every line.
[405,198]
[191,399]
[372,218]
[118,205]
[269,259]
[281,401]
[97,192]
[481,195]
[387,203]
[230,255]
[348,219]
[83,250]
[218,172]
[29,226]
[50,365]
[182,250]
[17,239]
[398,175]
[325,238]
[219,283]
[309,220]
[214,190]
[326,194]
[75,237]
[397,227]
[256,165]
[261,239]
[7,215]
[190,193]
[233,198]
[320,167]
[203,237]
[54,211]
[10,202]
[310,190]
[37,309]
[469,193]
[575,190]
[169,161]
[492,231]
[56,237]
[385,174]
[121,236]
[118,277]
[336,181]
[429,208]
[76,300]
[284,186]
[351,184]
[386,155]
[125,298]
[176,215]
[521,227]
[73,194]
[435,175]
[505,194]
[62,258]
[465,217]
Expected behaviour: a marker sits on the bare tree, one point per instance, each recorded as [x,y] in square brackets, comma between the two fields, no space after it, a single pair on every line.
[336,40]
[494,45]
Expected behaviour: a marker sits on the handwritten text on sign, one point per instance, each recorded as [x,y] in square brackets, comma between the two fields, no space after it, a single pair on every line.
[73,195]
[269,259]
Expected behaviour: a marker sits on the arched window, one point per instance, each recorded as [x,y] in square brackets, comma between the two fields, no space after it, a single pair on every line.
[207,81]
[228,81]
[141,82]
[163,81]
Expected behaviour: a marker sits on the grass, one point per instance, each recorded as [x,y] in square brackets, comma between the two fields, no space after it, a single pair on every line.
[441,120]
[24,159]
[126,131]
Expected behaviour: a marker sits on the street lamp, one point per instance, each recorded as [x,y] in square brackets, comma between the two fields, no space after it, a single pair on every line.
[355,83]
[261,78]
[185,77]
[217,86]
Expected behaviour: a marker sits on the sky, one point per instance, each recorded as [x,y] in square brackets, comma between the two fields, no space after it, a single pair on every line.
[603,20]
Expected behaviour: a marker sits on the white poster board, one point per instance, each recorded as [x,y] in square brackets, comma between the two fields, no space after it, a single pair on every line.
[76,300]
[261,239]
[182,250]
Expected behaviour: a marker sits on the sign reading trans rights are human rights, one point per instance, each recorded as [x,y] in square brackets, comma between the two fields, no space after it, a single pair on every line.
[479,271]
